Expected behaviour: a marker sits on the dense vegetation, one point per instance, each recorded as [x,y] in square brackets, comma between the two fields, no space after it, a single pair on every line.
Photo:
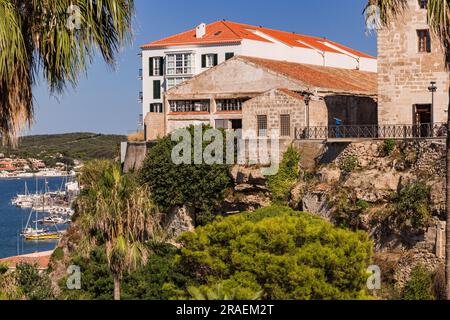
[27,282]
[281,252]
[273,253]
[199,186]
[281,184]
[117,213]
[81,146]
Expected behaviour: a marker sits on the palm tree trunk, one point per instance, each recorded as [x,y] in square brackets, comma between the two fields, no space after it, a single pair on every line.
[116,288]
[447,236]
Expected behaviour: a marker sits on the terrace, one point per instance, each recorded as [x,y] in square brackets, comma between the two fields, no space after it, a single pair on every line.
[349,133]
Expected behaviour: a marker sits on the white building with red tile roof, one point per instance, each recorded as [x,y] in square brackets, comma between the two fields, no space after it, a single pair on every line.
[168,62]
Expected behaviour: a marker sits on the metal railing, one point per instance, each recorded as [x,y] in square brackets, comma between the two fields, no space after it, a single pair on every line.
[427,130]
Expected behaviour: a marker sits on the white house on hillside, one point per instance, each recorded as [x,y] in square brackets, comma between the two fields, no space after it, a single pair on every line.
[168,62]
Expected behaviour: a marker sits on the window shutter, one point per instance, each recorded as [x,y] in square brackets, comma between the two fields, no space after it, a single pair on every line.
[151,67]
[216,59]
[156,89]
[203,60]
[161,66]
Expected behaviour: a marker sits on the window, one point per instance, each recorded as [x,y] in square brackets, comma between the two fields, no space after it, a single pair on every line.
[222,124]
[236,124]
[156,108]
[230,104]
[262,126]
[285,125]
[157,89]
[423,4]
[209,60]
[189,105]
[156,66]
[229,55]
[424,40]
[181,63]
[173,82]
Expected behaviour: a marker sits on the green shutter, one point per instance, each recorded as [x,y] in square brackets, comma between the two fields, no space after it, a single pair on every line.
[150,61]
[156,89]
[161,66]
[203,60]
[216,59]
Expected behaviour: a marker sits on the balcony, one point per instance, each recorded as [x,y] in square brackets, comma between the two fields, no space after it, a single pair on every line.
[140,74]
[190,106]
[355,132]
[141,97]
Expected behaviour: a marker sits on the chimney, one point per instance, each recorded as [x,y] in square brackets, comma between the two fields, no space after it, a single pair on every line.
[200,31]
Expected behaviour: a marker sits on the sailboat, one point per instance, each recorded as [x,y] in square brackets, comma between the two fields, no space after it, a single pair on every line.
[36,234]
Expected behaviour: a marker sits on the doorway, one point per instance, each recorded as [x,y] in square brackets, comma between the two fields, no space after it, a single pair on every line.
[423,119]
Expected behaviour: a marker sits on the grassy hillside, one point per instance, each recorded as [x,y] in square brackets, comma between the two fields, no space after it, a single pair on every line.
[81,146]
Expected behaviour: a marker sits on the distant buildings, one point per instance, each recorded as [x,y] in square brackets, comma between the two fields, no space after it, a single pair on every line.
[171,61]
[409,59]
[261,95]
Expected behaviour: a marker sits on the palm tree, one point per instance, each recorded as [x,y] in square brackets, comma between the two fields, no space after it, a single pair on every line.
[439,21]
[56,40]
[116,212]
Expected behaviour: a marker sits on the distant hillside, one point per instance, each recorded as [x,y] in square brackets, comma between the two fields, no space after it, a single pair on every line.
[80,146]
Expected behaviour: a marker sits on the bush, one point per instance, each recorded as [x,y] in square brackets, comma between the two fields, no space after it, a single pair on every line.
[363,204]
[34,284]
[388,147]
[280,185]
[420,286]
[160,279]
[58,254]
[349,164]
[202,187]
[288,254]
[412,206]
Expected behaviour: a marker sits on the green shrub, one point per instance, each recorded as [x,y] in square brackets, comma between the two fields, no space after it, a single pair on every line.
[388,147]
[281,184]
[160,279]
[34,284]
[3,268]
[58,254]
[288,254]
[412,206]
[363,204]
[420,286]
[349,164]
[201,187]
[347,213]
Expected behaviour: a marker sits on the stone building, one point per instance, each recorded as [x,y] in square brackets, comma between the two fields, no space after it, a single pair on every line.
[261,94]
[410,58]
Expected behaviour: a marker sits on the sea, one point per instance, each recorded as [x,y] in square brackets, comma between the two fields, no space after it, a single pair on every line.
[13,219]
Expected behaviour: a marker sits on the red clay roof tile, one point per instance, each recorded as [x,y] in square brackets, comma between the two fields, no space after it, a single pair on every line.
[231,32]
[325,78]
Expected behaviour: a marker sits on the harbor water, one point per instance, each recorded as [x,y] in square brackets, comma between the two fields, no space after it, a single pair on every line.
[14,219]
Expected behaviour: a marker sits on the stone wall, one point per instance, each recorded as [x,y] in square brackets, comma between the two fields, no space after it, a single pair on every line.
[334,193]
[273,104]
[154,126]
[404,74]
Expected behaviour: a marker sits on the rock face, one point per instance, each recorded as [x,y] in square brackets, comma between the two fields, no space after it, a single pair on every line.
[179,220]
[250,193]
[366,192]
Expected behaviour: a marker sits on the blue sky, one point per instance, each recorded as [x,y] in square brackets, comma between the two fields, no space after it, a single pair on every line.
[105,101]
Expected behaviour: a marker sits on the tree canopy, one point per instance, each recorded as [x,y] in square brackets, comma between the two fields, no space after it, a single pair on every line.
[284,253]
